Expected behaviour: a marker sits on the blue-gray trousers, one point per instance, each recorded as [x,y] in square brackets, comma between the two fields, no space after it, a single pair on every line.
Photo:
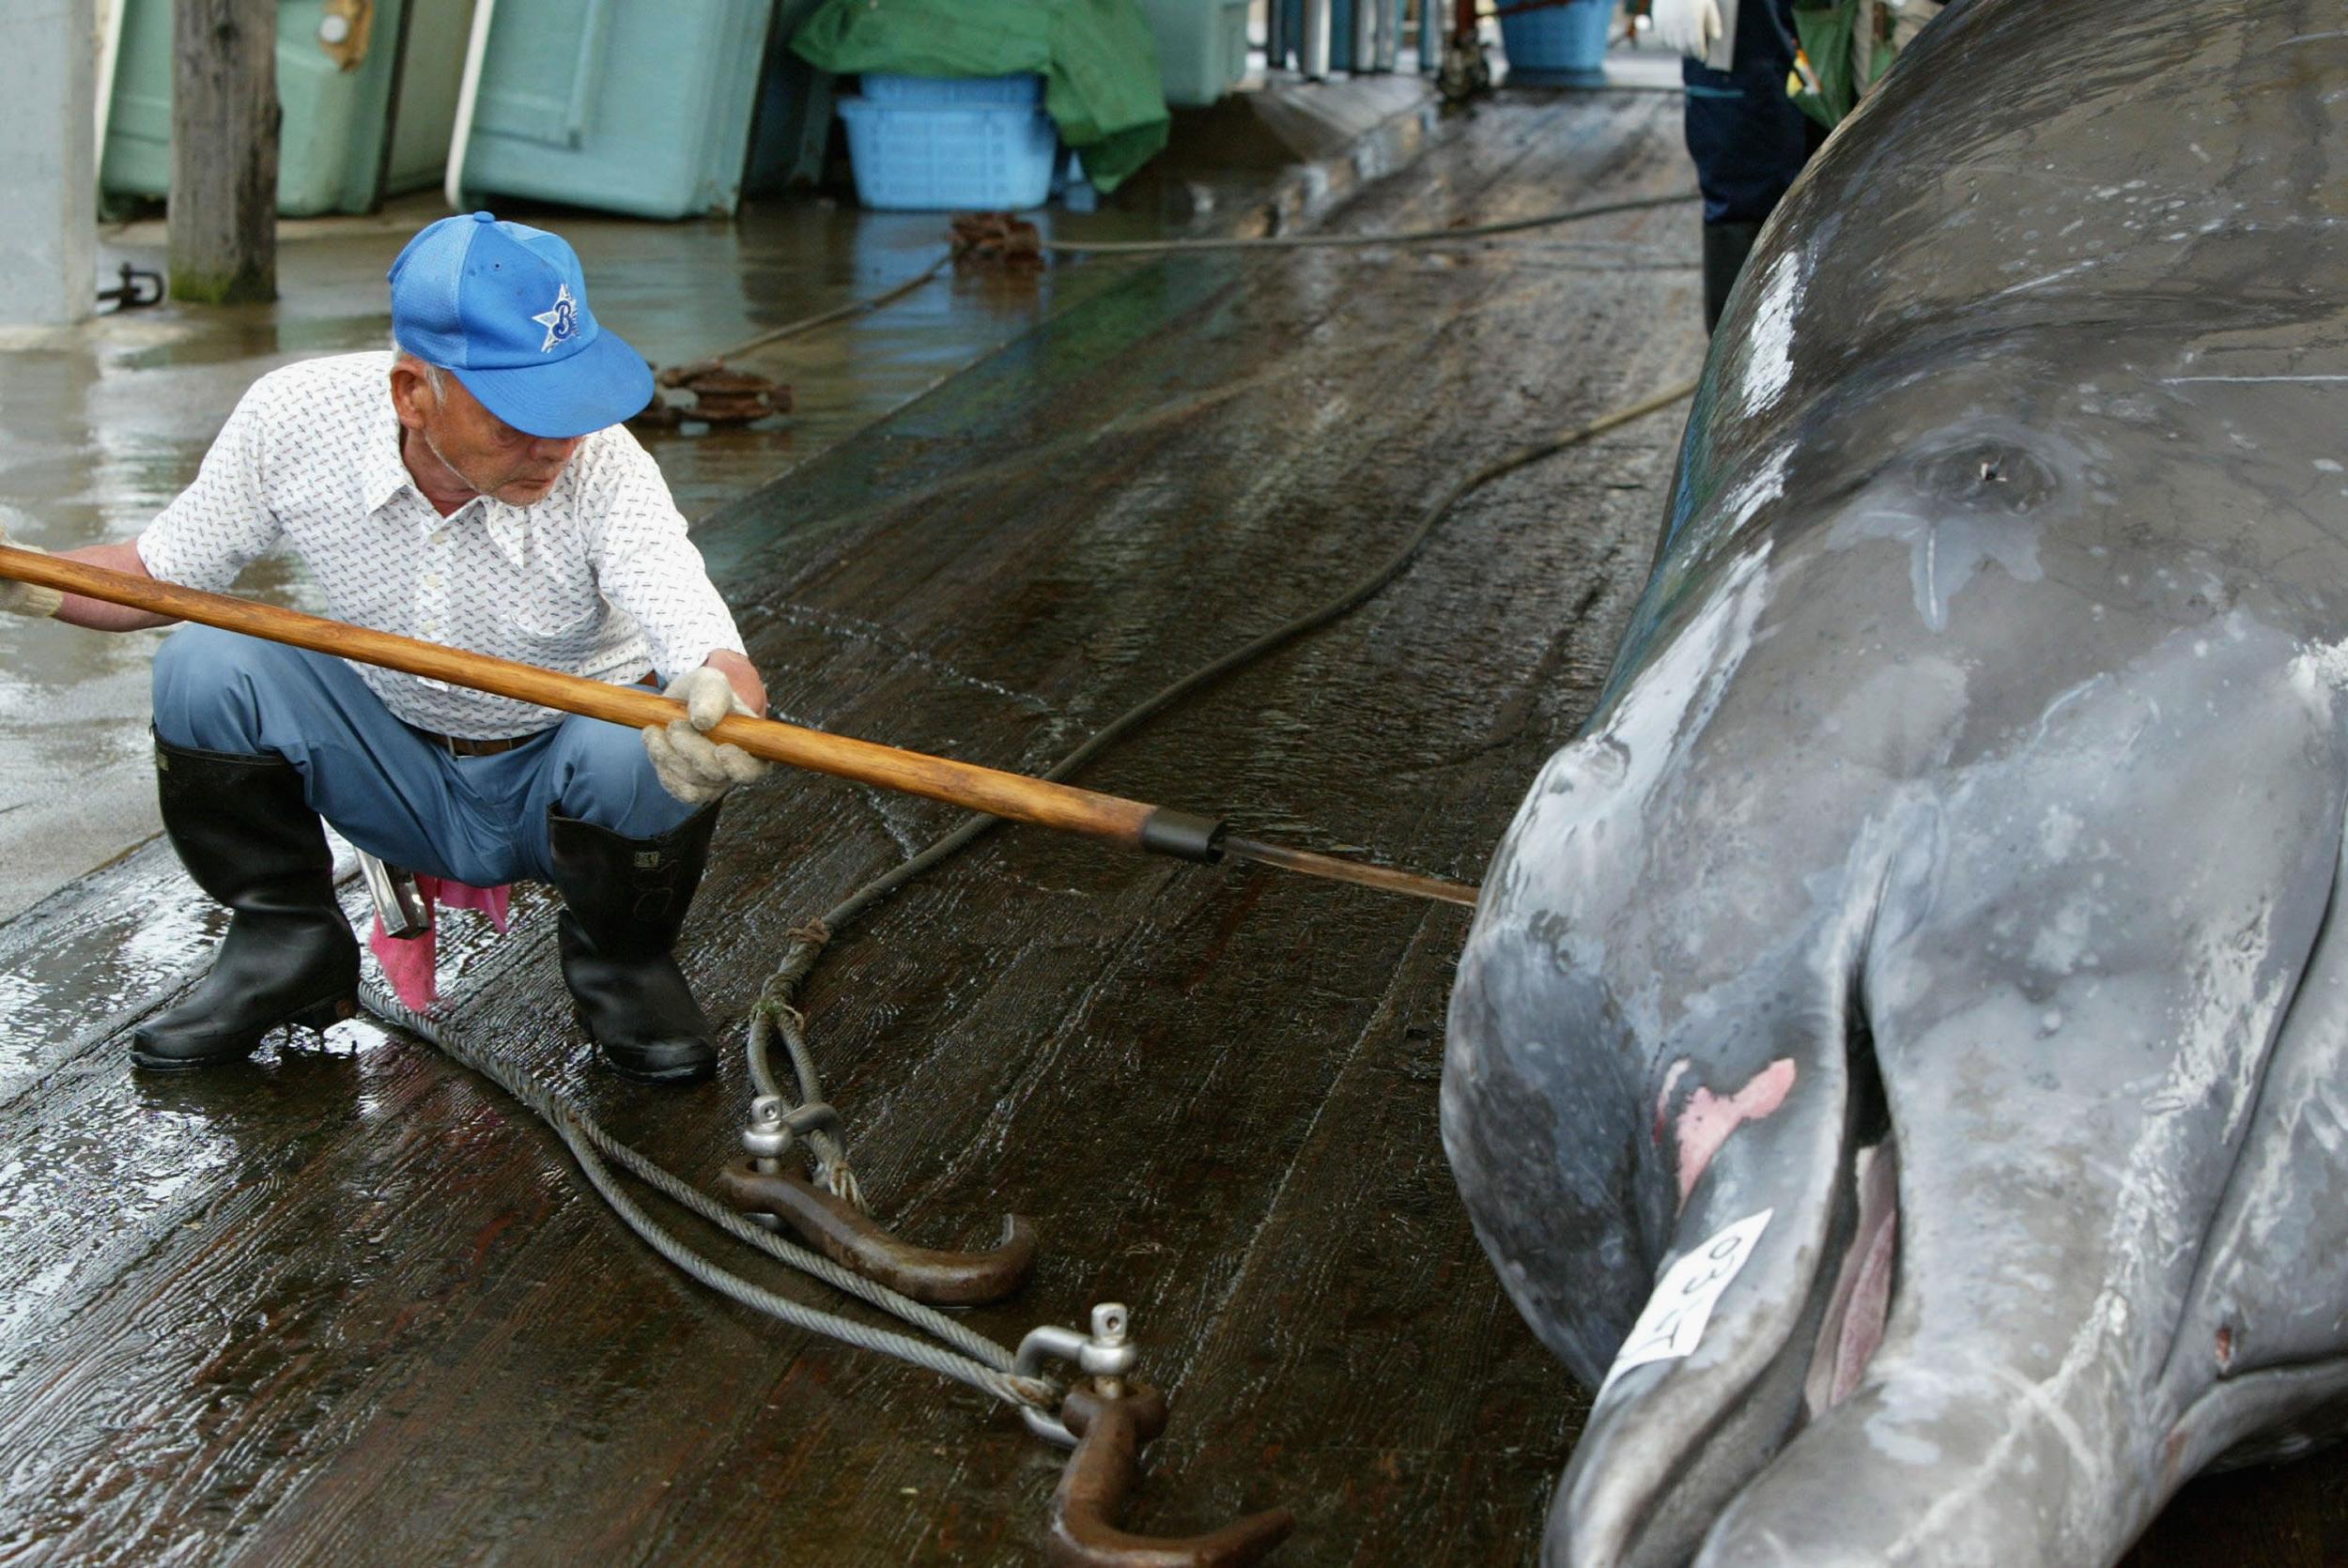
[402,798]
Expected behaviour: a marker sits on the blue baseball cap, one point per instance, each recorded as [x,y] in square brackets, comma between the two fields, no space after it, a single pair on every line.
[504,307]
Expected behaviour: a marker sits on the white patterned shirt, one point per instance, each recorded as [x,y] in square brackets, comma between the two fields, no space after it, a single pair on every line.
[596,579]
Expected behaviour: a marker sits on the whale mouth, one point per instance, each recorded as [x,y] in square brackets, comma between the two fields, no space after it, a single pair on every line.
[1859,1303]
[1806,1147]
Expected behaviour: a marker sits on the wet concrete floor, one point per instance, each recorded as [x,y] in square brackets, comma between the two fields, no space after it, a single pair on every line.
[349,1303]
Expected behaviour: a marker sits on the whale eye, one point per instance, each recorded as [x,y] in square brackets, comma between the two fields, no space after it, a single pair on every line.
[1986,476]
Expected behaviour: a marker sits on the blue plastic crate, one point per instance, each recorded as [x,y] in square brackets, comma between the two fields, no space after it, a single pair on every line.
[1023,90]
[1564,39]
[930,157]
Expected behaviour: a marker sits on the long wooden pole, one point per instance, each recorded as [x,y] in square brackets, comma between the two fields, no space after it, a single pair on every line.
[1013,795]
[1002,795]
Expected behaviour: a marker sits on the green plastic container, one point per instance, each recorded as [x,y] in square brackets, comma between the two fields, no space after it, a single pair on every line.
[792,130]
[1203,46]
[635,106]
[332,149]
[431,66]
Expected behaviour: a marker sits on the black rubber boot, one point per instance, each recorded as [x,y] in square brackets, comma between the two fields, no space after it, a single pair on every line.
[250,840]
[1725,247]
[623,902]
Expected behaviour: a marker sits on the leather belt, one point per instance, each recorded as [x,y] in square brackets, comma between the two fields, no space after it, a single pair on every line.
[457,746]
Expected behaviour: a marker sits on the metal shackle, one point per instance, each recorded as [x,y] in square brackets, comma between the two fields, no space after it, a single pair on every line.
[773,1130]
[1108,1353]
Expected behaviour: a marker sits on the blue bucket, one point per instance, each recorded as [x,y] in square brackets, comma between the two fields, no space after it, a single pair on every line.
[1559,39]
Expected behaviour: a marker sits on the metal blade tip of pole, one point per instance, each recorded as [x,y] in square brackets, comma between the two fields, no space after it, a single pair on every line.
[1335,869]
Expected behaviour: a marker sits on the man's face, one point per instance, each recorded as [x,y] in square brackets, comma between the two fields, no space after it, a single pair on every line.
[485,452]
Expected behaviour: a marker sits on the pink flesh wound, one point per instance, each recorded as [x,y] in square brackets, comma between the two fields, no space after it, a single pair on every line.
[1709,1118]
[1862,1302]
[1870,1303]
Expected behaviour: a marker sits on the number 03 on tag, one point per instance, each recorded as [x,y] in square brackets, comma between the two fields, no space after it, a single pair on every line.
[1674,1321]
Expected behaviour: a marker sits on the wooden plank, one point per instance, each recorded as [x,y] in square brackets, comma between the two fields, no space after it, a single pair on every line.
[82,955]
[2292,1515]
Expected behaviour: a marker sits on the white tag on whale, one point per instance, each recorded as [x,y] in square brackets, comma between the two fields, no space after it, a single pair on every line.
[1677,1313]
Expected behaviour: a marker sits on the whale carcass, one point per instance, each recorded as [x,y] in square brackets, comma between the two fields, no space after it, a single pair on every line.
[1901,1056]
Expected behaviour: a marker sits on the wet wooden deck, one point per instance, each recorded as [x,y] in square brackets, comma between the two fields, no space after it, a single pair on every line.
[353,1306]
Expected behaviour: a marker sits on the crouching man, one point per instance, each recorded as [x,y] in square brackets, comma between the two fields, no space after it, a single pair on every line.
[472,488]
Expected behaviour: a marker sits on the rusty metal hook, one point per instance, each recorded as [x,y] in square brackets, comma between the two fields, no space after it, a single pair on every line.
[1105,1417]
[852,1238]
[721,396]
[1110,1429]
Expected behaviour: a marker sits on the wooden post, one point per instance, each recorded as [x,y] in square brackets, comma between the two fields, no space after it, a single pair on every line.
[223,150]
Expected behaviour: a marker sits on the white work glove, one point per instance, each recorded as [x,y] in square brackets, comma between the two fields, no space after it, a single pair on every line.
[691,766]
[1689,26]
[24,598]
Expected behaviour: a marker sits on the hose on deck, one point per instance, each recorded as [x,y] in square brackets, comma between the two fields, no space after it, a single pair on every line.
[962,1354]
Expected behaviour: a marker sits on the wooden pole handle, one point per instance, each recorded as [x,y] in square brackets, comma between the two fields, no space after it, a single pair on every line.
[988,789]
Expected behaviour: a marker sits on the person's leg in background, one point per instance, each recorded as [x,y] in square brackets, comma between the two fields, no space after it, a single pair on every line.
[1748,140]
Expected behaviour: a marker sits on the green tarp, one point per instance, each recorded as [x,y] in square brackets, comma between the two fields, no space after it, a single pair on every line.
[1098,65]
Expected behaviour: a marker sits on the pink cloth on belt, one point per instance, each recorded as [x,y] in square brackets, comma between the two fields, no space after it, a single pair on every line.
[409,962]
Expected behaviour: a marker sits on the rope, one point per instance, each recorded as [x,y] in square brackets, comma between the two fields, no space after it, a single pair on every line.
[1164,247]
[839,313]
[1361,241]
[961,1355]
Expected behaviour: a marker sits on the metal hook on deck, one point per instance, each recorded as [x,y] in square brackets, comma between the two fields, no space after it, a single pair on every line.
[760,1187]
[1106,1418]
[138,289]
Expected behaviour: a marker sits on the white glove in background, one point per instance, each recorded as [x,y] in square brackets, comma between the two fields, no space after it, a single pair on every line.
[24,598]
[691,766]
[1689,26]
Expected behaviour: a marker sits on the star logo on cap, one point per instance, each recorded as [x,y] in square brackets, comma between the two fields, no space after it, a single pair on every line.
[560,322]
